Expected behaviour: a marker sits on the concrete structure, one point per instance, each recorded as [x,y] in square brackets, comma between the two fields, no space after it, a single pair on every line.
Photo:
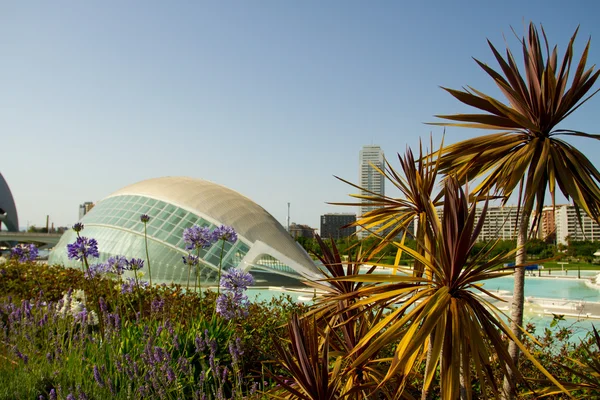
[332,226]
[567,225]
[40,239]
[8,210]
[85,208]
[176,203]
[369,178]
[299,230]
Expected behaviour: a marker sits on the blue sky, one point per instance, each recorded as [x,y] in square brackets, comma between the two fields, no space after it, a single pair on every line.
[269,98]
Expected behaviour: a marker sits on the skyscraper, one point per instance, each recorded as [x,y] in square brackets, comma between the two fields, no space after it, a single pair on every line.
[368,177]
[332,225]
[85,208]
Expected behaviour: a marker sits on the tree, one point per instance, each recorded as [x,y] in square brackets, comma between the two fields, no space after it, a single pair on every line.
[526,151]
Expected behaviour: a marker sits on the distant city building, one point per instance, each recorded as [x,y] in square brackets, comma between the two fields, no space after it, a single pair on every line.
[298,230]
[332,225]
[500,222]
[85,208]
[547,223]
[568,226]
[369,178]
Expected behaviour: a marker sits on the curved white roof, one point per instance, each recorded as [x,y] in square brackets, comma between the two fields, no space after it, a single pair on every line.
[227,207]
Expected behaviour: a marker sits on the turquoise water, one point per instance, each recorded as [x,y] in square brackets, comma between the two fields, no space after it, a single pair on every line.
[555,288]
[572,289]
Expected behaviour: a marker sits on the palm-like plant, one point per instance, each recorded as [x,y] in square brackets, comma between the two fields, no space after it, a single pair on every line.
[334,312]
[527,152]
[450,307]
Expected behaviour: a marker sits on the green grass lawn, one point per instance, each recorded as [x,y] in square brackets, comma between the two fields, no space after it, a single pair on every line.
[571,266]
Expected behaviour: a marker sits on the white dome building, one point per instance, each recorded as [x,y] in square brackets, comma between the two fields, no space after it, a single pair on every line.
[8,210]
[175,203]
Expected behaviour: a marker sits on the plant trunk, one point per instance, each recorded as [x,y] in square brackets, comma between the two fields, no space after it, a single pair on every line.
[426,393]
[516,309]
[463,387]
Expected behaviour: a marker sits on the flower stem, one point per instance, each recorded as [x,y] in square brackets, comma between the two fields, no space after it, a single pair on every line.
[220,263]
[199,277]
[147,255]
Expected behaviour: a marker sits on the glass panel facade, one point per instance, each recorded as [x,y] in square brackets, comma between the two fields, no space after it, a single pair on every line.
[115,224]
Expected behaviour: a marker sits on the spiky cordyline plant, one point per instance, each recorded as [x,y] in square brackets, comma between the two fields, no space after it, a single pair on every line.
[527,152]
[333,313]
[306,358]
[451,307]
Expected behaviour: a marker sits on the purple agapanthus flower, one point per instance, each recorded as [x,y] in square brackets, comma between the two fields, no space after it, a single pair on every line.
[144,218]
[129,285]
[96,270]
[226,233]
[135,264]
[83,247]
[24,252]
[190,260]
[78,227]
[236,280]
[117,264]
[197,237]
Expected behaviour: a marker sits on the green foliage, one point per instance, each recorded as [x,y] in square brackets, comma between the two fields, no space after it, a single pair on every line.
[61,349]
[583,250]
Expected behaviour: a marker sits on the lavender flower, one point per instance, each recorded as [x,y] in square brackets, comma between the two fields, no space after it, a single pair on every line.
[235,350]
[144,218]
[157,305]
[103,305]
[24,252]
[78,227]
[199,344]
[236,280]
[135,264]
[52,395]
[170,375]
[226,233]
[22,356]
[197,237]
[83,247]
[97,377]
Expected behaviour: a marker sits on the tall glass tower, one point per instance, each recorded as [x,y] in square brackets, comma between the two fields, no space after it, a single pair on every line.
[368,177]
